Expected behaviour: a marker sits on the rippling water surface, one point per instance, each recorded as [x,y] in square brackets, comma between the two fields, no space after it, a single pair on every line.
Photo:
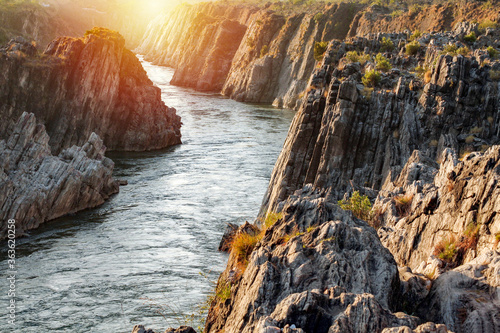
[94,271]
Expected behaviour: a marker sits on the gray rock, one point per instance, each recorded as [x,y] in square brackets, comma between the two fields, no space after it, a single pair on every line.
[36,186]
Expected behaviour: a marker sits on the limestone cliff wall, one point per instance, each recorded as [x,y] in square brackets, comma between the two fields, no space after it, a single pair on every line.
[347,135]
[395,141]
[249,53]
[427,18]
[36,186]
[84,85]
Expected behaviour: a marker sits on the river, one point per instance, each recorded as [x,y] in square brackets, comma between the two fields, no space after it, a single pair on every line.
[150,253]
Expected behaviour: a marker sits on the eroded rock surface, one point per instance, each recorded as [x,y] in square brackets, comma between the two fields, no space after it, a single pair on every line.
[84,85]
[36,186]
[318,269]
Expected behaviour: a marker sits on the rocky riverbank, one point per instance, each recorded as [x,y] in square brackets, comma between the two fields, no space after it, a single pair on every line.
[385,116]
[82,85]
[36,186]
[381,214]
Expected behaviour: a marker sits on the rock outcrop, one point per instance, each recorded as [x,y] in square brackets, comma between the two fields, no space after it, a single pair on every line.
[251,54]
[84,85]
[36,186]
[348,135]
[425,17]
[397,143]
[318,269]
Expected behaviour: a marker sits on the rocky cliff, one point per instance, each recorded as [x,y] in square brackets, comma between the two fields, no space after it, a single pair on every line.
[387,115]
[44,21]
[252,54]
[84,85]
[36,186]
[265,54]
[424,17]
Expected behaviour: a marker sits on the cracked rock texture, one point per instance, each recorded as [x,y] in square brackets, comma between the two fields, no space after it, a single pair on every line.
[36,186]
[84,85]
[250,53]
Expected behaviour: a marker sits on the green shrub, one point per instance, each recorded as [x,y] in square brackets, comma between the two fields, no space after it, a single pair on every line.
[463,51]
[487,24]
[470,38]
[492,52]
[371,78]
[223,291]
[412,48]
[382,63]
[264,50]
[450,49]
[415,35]
[358,204]
[318,17]
[386,45]
[354,56]
[319,50]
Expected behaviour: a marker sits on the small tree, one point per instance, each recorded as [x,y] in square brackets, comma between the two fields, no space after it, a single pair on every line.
[412,48]
[493,53]
[371,78]
[319,50]
[383,63]
[358,204]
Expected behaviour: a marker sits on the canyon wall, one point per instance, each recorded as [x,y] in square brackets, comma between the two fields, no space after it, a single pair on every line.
[251,54]
[265,54]
[84,85]
[36,186]
[42,22]
[420,139]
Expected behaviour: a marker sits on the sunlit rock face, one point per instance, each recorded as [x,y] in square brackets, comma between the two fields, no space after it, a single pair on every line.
[36,186]
[84,85]
[249,53]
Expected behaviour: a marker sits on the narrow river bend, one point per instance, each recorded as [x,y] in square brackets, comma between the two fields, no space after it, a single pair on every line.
[94,271]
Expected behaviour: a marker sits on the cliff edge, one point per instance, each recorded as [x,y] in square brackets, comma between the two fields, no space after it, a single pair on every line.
[84,85]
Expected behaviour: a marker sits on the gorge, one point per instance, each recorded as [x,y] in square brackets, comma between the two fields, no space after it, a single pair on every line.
[380,214]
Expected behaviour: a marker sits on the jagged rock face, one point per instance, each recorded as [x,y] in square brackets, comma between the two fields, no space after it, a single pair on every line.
[213,46]
[345,135]
[467,298]
[280,74]
[84,85]
[36,186]
[462,196]
[332,275]
[261,56]
[442,17]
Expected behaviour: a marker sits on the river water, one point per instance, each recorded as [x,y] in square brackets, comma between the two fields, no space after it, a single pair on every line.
[150,253]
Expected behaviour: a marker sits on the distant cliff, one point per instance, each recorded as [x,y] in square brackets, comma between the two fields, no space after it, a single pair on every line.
[265,54]
[84,85]
[251,54]
[42,21]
